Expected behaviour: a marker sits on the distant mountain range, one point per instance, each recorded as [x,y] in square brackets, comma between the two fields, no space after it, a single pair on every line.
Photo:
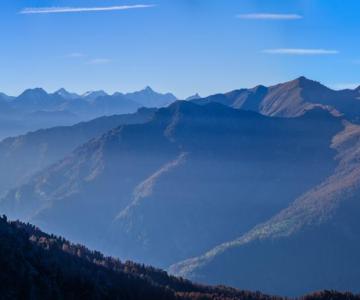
[255,189]
[36,265]
[89,104]
[35,108]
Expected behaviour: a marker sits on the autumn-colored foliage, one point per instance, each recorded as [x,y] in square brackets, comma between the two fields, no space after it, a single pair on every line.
[35,265]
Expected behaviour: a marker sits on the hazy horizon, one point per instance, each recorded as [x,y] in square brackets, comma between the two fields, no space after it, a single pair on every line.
[84,92]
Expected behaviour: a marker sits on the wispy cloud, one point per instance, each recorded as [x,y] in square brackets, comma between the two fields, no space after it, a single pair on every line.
[57,10]
[99,61]
[266,16]
[75,55]
[299,51]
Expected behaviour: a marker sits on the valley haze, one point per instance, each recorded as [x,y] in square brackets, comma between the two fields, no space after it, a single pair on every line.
[211,189]
[180,150]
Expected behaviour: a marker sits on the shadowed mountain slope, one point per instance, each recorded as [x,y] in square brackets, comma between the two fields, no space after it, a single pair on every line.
[23,156]
[288,254]
[190,179]
[149,98]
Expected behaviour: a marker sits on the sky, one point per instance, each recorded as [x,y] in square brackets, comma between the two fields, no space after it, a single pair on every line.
[179,46]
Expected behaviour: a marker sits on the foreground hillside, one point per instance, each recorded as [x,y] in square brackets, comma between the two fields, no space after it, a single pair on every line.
[35,265]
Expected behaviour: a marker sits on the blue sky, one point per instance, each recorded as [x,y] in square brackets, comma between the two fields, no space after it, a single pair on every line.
[182,46]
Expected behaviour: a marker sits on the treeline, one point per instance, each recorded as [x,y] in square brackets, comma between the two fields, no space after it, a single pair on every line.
[330,295]
[36,265]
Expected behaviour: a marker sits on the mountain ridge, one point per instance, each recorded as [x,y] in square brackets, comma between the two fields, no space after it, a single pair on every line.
[291,99]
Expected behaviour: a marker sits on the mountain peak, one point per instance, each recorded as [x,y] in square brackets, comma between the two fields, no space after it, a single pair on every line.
[92,95]
[34,92]
[193,97]
[259,88]
[150,98]
[303,78]
[304,82]
[66,94]
[94,92]
[148,89]
[61,90]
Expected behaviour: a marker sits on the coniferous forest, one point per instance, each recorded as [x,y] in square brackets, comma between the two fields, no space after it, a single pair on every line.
[36,265]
